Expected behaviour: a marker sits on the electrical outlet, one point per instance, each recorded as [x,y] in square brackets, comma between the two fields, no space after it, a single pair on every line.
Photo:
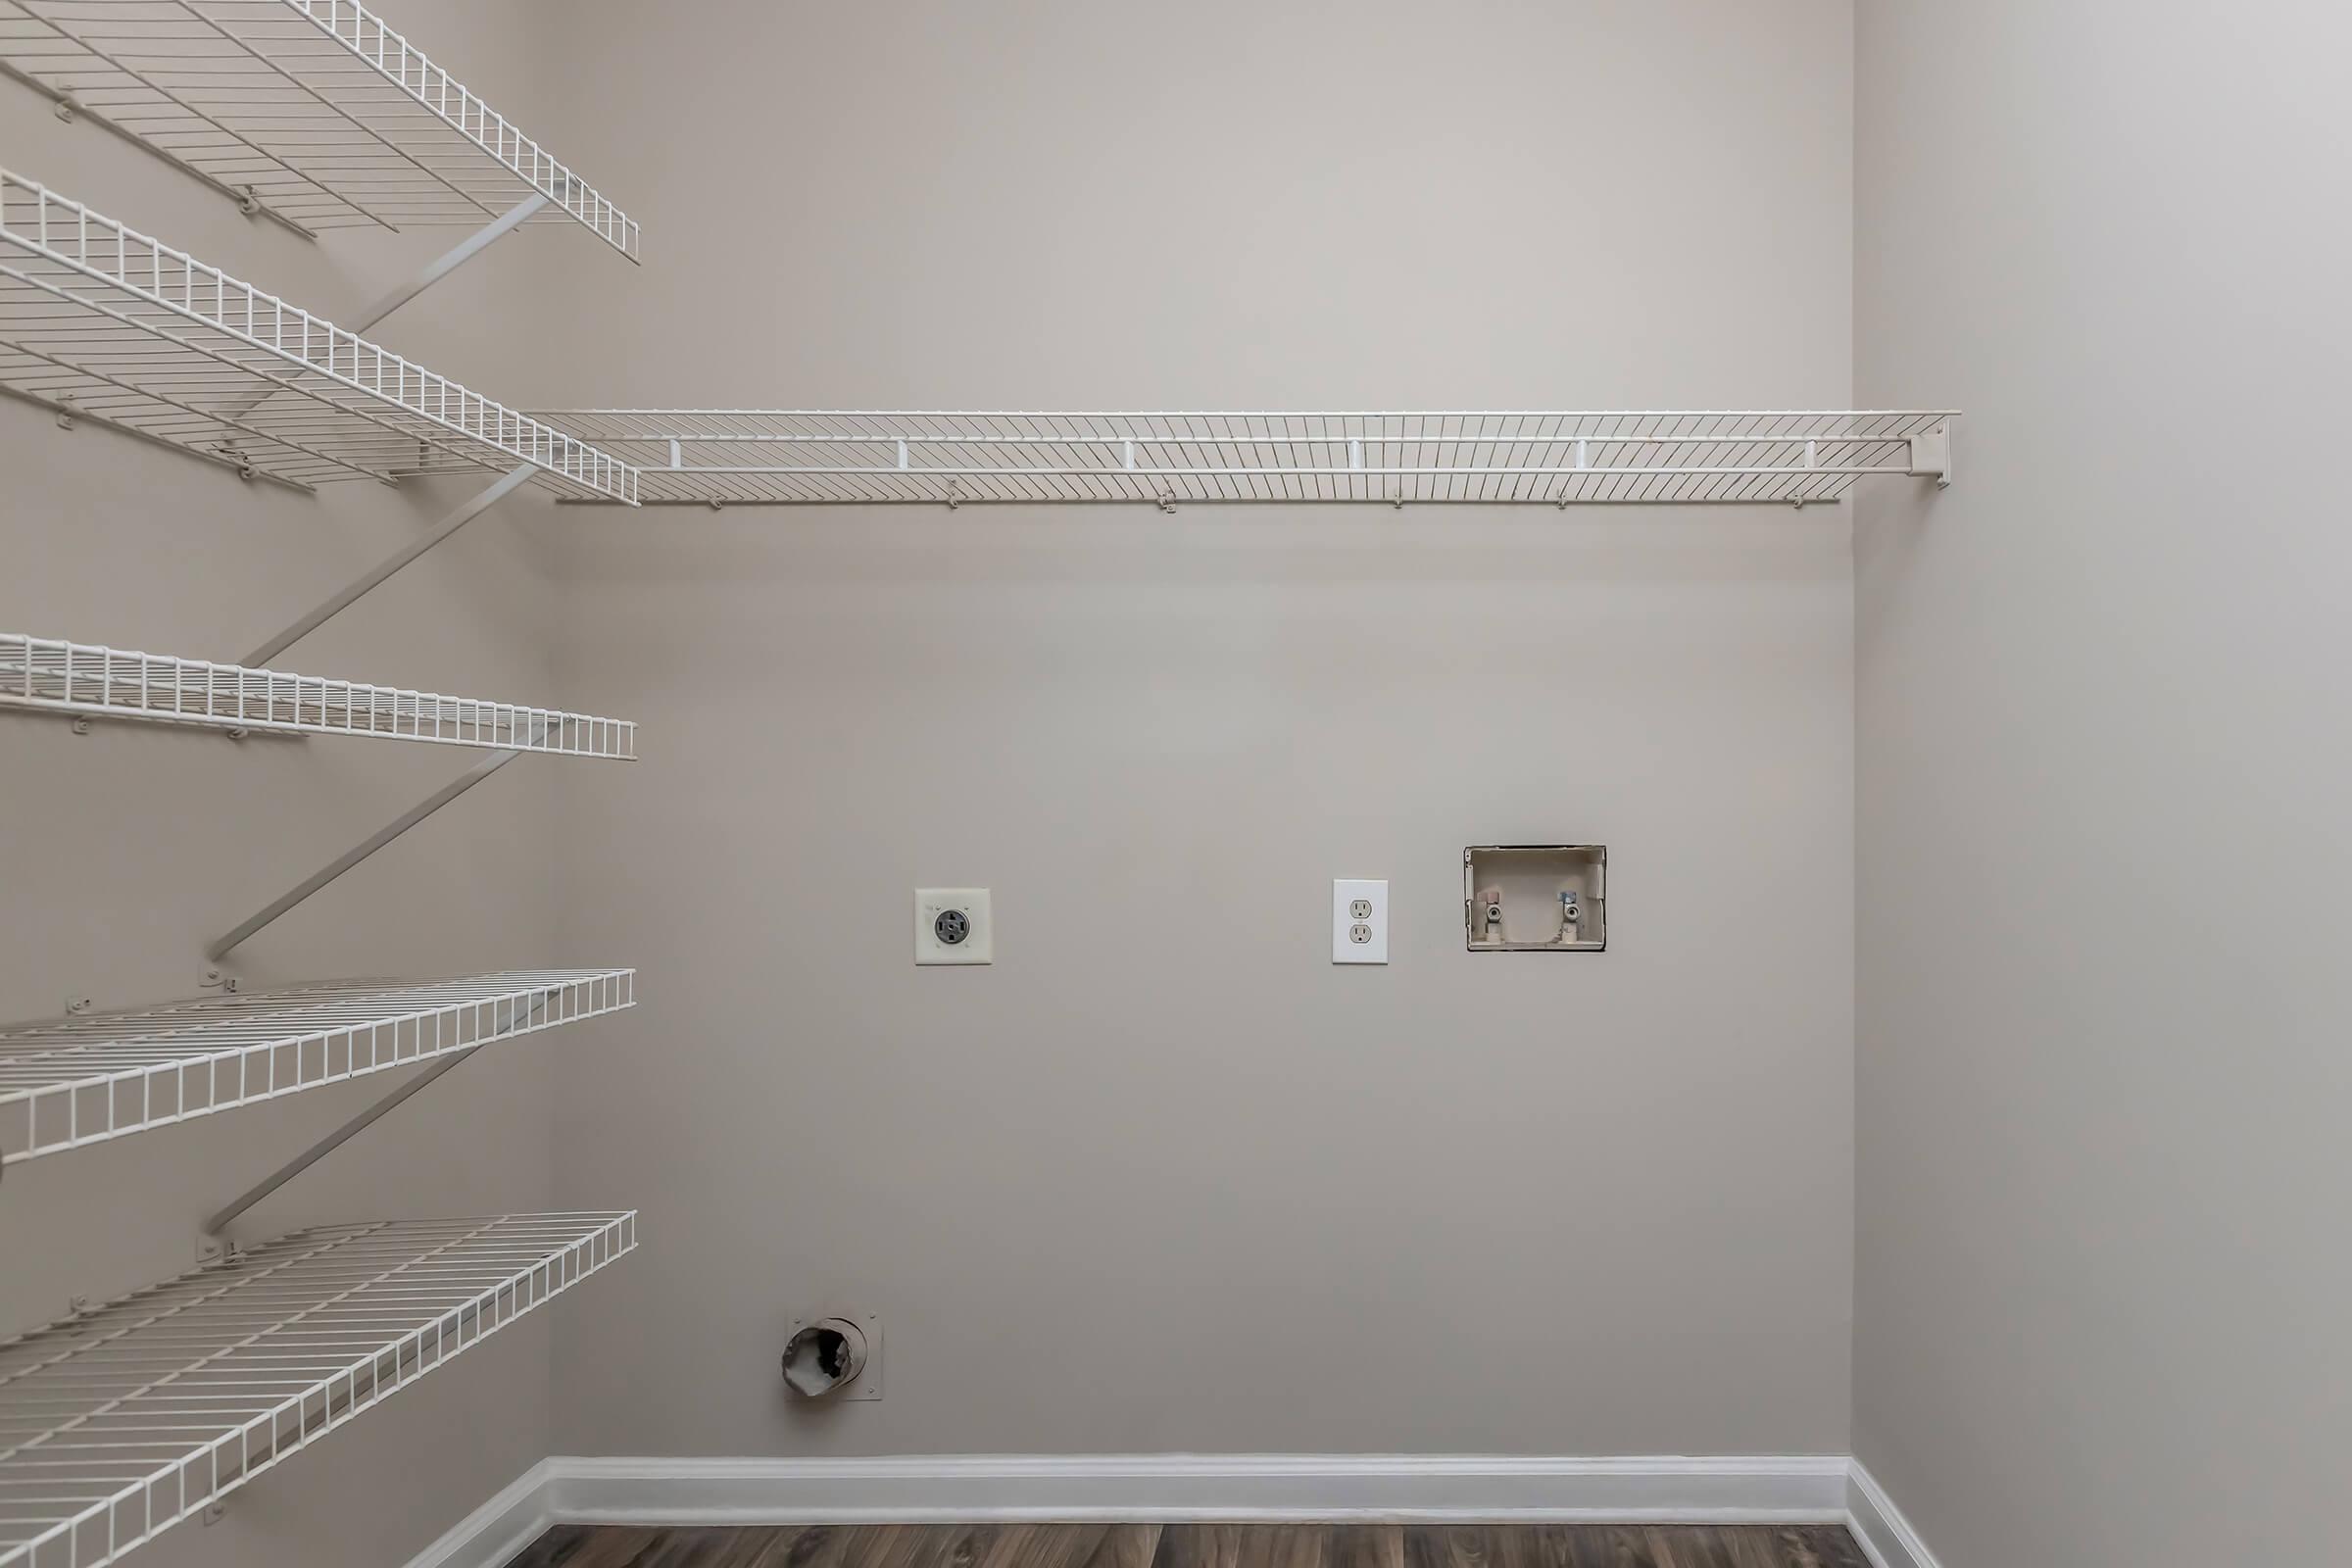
[1360,923]
[952,925]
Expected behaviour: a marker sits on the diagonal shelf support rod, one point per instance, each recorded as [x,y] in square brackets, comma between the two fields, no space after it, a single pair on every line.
[457,255]
[230,1214]
[265,916]
[309,621]
[465,250]
[350,593]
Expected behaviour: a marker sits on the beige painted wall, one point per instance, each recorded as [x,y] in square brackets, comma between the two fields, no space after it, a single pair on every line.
[122,851]
[2103,766]
[1163,1178]
[1246,1201]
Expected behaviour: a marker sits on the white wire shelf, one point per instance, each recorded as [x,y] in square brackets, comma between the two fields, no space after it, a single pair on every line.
[791,457]
[43,673]
[312,109]
[91,1077]
[100,319]
[120,1422]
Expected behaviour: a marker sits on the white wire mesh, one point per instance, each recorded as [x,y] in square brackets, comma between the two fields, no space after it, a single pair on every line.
[120,1422]
[99,318]
[40,673]
[791,456]
[327,116]
[91,1077]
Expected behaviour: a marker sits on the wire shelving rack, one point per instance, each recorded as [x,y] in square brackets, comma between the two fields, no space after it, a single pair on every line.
[789,457]
[88,1078]
[120,1422]
[47,674]
[99,320]
[311,111]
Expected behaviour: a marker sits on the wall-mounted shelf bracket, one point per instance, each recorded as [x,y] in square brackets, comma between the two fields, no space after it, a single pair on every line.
[350,593]
[212,1247]
[262,918]
[465,250]
[1931,456]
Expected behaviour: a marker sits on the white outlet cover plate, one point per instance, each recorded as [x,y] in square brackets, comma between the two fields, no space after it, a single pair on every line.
[1359,921]
[979,945]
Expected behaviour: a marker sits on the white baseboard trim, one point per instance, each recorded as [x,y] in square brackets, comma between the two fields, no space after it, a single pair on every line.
[1880,1526]
[498,1531]
[1144,1487]
[1174,1488]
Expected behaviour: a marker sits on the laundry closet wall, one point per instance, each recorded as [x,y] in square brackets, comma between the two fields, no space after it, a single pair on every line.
[1162,1178]
[2103,772]
[124,850]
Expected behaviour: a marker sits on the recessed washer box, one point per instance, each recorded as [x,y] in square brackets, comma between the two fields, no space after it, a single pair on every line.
[1536,898]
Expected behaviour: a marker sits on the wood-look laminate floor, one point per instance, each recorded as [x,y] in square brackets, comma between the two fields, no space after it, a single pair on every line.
[1335,1545]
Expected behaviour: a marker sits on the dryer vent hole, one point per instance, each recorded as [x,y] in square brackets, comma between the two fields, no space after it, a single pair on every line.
[831,1351]
[822,1357]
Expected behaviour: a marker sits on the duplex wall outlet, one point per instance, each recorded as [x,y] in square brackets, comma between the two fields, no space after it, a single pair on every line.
[952,925]
[1360,923]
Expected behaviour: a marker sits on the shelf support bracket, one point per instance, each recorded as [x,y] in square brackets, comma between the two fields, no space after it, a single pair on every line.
[263,917]
[210,1246]
[343,598]
[465,250]
[473,245]
[1931,456]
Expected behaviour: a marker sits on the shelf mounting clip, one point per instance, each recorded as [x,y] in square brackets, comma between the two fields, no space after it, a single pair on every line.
[67,108]
[1931,456]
